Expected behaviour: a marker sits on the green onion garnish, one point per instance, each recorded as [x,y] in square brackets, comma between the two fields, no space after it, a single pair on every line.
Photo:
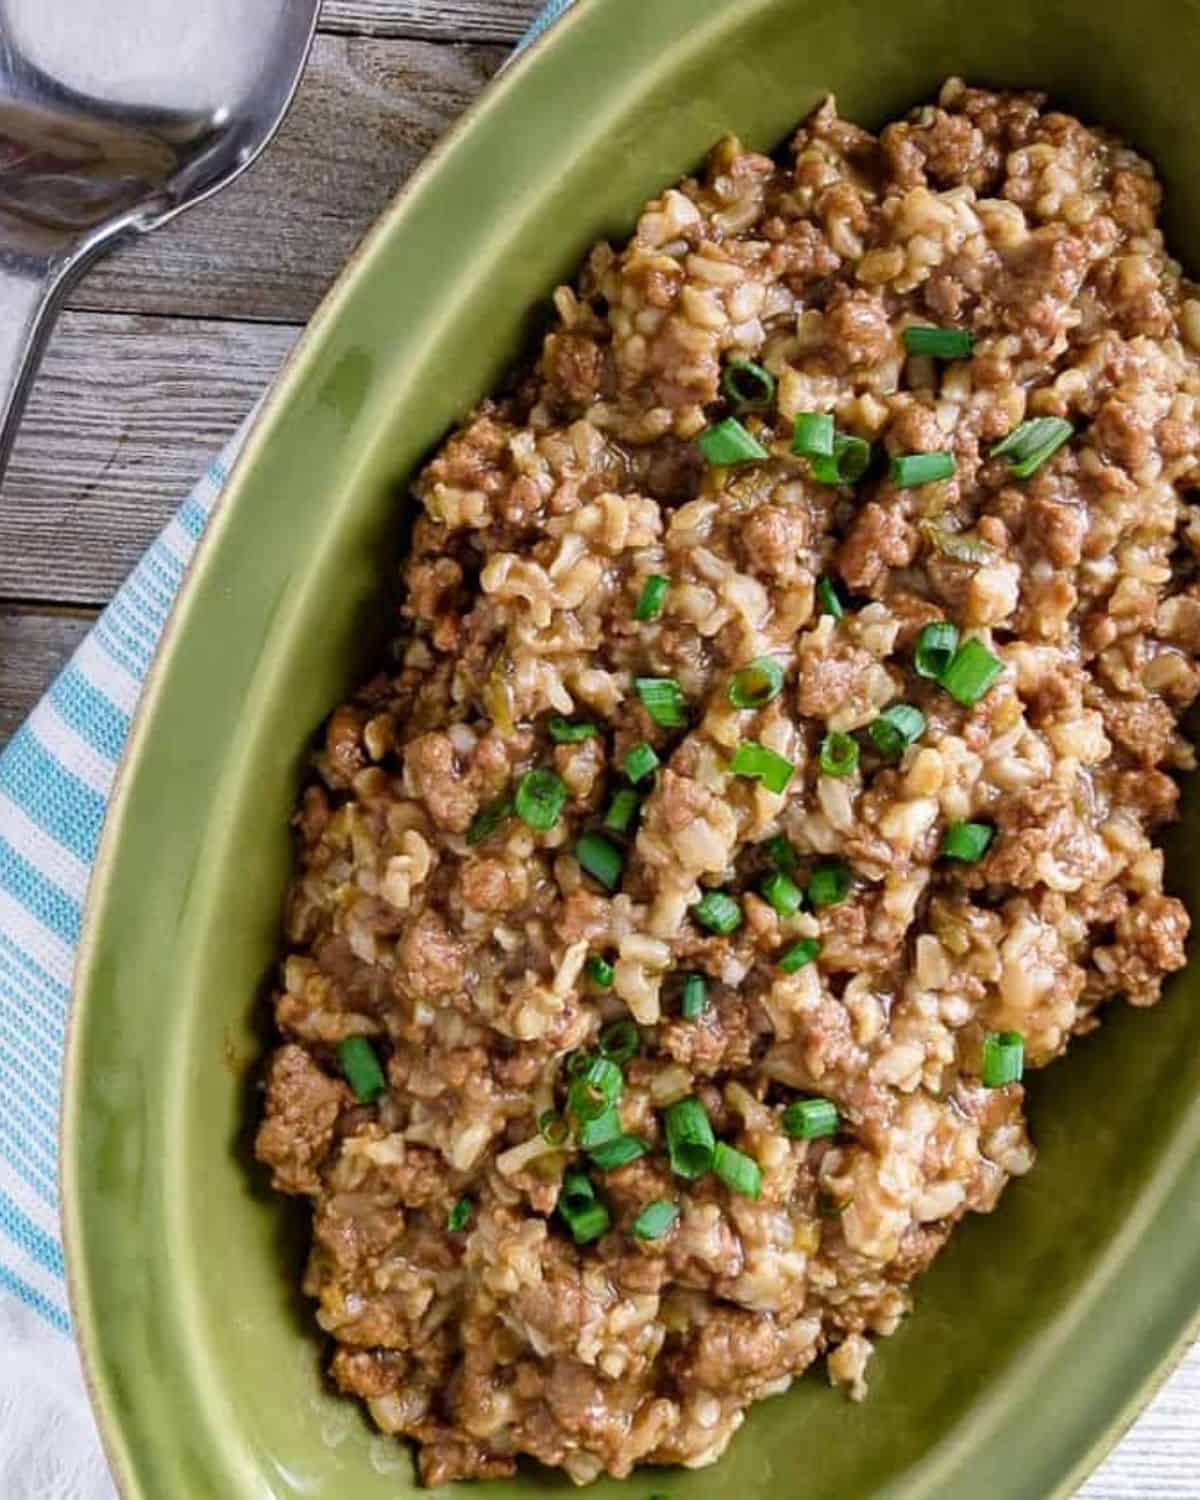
[838,754]
[553,1128]
[604,1079]
[757,683]
[357,1060]
[459,1216]
[812,434]
[806,1119]
[488,819]
[576,1063]
[827,598]
[621,811]
[967,841]
[754,760]
[654,1220]
[971,672]
[850,460]
[718,912]
[640,761]
[896,728]
[737,1171]
[601,859]
[936,646]
[600,1130]
[541,796]
[1028,446]
[728,442]
[694,997]
[599,971]
[783,893]
[940,343]
[587,1222]
[618,1152]
[690,1141]
[747,385]
[663,700]
[780,854]
[800,954]
[620,1040]
[650,600]
[829,883]
[564,732]
[912,469]
[1003,1058]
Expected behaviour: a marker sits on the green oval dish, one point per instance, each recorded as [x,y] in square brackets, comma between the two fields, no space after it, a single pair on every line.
[1042,1329]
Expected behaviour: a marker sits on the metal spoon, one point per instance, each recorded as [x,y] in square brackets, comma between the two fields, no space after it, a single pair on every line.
[116,115]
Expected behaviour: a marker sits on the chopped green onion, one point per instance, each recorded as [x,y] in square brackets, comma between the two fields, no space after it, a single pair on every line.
[896,728]
[541,796]
[971,672]
[936,646]
[757,683]
[584,1102]
[694,997]
[827,598]
[690,1141]
[940,343]
[1003,1058]
[564,732]
[576,1063]
[618,1152]
[621,811]
[781,854]
[654,1220]
[576,1188]
[912,469]
[620,1040]
[728,442]
[812,434]
[553,1128]
[650,600]
[587,1223]
[600,1130]
[850,460]
[1028,446]
[757,761]
[737,1171]
[718,912]
[663,700]
[800,955]
[358,1062]
[747,384]
[829,883]
[488,819]
[599,971]
[967,841]
[640,761]
[783,893]
[604,1078]
[807,1119]
[459,1216]
[838,754]
[601,859]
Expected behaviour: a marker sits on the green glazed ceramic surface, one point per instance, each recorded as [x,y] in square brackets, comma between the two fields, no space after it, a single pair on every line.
[1040,1331]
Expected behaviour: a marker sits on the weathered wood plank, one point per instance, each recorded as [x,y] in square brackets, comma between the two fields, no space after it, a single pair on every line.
[34,643]
[452,20]
[1159,1458]
[125,414]
[269,245]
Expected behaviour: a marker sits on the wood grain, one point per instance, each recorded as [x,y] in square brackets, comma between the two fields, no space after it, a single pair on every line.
[470,20]
[126,413]
[33,645]
[268,247]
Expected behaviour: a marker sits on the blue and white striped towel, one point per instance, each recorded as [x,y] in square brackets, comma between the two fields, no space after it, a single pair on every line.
[55,778]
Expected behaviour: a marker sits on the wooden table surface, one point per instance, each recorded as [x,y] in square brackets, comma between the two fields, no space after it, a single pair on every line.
[164,347]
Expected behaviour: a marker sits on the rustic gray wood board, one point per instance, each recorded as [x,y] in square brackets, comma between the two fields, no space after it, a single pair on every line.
[169,344]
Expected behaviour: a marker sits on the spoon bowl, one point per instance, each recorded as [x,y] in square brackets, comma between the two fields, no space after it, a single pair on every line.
[115,116]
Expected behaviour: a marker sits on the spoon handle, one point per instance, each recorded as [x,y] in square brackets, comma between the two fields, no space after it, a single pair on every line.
[28,297]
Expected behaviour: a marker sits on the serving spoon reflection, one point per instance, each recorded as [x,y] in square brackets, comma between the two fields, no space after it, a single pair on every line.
[116,115]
